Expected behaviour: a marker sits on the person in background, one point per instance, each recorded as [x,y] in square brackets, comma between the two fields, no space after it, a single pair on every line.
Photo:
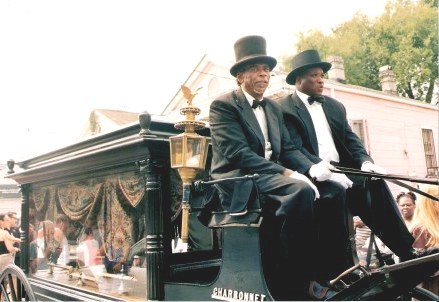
[15,231]
[7,241]
[249,136]
[407,204]
[362,234]
[92,224]
[318,126]
[33,249]
[88,249]
[425,222]
[115,251]
[62,224]
[48,247]
[5,222]
[425,228]
[136,261]
[362,241]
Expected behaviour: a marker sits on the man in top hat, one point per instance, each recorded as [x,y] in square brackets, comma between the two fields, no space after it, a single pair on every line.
[249,137]
[318,126]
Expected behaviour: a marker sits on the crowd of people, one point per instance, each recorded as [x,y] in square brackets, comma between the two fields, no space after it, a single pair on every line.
[61,249]
[49,245]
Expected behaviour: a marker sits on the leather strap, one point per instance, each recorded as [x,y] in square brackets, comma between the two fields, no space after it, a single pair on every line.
[372,242]
[413,189]
[378,252]
[369,250]
[392,178]
[432,181]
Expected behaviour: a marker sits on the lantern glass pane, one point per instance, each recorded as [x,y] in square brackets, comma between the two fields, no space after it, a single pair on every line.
[193,154]
[204,148]
[176,152]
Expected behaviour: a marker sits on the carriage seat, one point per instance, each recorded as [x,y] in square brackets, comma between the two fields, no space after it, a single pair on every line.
[212,214]
[221,219]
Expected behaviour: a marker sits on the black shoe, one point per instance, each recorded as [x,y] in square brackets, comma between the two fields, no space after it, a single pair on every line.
[418,253]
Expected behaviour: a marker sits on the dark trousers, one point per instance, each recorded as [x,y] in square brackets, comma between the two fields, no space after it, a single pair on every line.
[291,202]
[374,203]
[332,225]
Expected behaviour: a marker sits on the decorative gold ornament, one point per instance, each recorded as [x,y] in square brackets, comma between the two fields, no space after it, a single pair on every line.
[188,153]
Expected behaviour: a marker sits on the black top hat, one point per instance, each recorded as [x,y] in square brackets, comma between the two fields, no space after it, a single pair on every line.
[251,50]
[305,60]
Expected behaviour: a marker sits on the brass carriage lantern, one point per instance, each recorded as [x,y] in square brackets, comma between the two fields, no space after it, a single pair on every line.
[188,154]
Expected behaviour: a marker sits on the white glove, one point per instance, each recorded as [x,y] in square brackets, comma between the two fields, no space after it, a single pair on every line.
[367,166]
[298,176]
[320,171]
[341,179]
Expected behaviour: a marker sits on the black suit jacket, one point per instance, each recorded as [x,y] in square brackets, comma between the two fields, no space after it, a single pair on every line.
[302,132]
[238,144]
[380,211]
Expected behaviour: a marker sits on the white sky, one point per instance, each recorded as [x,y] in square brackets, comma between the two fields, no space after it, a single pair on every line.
[61,59]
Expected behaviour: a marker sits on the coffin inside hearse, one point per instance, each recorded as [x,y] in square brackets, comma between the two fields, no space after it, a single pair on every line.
[101,218]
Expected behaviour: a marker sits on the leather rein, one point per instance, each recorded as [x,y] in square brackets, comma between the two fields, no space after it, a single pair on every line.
[396,179]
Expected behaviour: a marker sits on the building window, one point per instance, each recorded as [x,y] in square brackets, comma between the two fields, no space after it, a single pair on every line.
[359,127]
[430,153]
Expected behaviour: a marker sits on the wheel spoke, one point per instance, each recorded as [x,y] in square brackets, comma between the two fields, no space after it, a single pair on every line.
[3,292]
[14,285]
[20,289]
[11,284]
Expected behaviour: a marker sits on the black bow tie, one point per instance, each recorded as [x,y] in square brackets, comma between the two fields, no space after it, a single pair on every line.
[258,103]
[316,98]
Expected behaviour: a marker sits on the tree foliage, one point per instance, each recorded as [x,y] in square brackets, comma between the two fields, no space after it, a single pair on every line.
[404,37]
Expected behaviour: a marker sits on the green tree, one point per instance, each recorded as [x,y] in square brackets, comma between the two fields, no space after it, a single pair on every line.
[404,37]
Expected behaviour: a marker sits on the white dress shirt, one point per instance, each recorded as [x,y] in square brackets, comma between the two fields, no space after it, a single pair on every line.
[262,120]
[327,150]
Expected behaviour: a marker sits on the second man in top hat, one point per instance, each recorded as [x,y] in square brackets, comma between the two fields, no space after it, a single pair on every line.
[318,126]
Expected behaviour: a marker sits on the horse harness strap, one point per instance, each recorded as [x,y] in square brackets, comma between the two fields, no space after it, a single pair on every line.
[404,185]
[389,177]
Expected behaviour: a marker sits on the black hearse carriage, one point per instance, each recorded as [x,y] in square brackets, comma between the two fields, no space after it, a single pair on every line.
[121,195]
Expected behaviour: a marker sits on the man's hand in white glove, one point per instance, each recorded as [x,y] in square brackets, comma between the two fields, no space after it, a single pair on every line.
[297,175]
[320,171]
[341,179]
[367,166]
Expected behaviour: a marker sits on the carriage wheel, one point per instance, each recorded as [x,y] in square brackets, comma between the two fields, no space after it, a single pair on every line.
[14,285]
